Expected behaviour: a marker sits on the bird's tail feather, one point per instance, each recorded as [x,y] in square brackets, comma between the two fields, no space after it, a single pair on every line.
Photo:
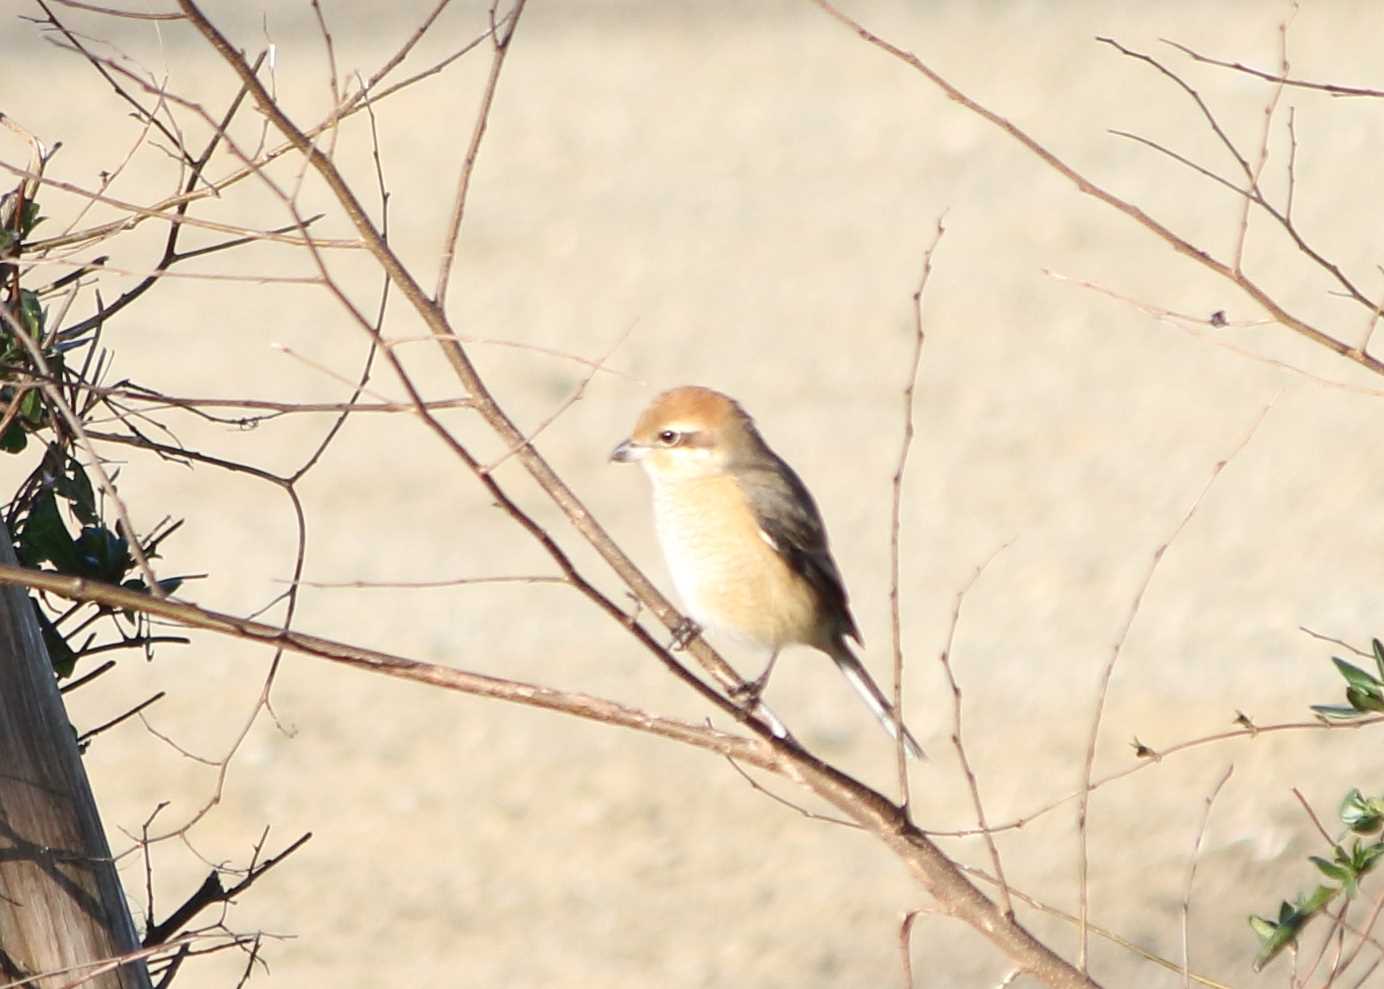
[874,698]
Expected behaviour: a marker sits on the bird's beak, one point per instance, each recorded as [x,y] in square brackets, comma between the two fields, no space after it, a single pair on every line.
[627,452]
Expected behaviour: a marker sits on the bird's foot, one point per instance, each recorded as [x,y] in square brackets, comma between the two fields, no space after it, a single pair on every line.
[683,635]
[747,694]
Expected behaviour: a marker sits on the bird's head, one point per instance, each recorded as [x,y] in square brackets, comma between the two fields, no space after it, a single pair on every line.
[689,432]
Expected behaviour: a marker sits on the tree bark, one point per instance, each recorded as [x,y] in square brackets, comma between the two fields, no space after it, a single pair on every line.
[61,905]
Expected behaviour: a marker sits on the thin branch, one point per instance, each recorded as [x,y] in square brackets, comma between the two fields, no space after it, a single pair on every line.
[1096,929]
[131,15]
[74,423]
[87,736]
[784,801]
[1235,274]
[905,946]
[1281,79]
[1106,674]
[1250,731]
[896,506]
[1085,185]
[1312,815]
[577,395]
[212,892]
[500,49]
[1197,327]
[1007,906]
[1209,802]
[1263,156]
[1211,120]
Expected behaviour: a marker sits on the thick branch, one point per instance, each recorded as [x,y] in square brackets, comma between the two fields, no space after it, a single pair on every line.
[868,808]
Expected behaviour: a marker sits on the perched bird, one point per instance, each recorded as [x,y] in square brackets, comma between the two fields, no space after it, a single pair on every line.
[743,538]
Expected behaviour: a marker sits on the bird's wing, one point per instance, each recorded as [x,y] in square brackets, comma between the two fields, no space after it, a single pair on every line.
[790,522]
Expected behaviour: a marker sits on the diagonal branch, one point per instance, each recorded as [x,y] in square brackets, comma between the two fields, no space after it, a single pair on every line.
[500,46]
[1090,188]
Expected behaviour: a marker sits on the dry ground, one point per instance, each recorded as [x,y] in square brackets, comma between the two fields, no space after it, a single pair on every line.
[751,190]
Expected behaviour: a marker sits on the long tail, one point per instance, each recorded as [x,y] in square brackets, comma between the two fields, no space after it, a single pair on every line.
[874,698]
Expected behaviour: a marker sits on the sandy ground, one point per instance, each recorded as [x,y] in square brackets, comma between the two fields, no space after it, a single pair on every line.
[748,194]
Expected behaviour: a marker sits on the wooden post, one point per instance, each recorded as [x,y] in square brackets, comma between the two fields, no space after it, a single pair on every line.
[61,905]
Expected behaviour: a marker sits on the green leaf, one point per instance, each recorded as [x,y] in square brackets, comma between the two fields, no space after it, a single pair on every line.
[1273,938]
[31,407]
[1360,814]
[1355,676]
[1308,905]
[75,486]
[1328,869]
[31,313]
[1336,712]
[28,218]
[60,654]
[43,537]
[14,439]
[1367,857]
[103,554]
[1365,700]
[1378,648]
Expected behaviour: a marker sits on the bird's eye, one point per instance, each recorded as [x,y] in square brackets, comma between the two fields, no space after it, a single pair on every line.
[669,437]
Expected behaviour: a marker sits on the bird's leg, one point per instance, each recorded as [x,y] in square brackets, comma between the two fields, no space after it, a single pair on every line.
[686,631]
[749,691]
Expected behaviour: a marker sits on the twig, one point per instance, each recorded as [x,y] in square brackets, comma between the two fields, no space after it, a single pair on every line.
[87,677]
[87,736]
[132,15]
[500,48]
[1007,906]
[426,584]
[572,399]
[1109,669]
[1234,272]
[905,946]
[1085,185]
[1263,155]
[896,506]
[1209,802]
[1097,930]
[1250,731]
[1194,325]
[212,892]
[74,423]
[776,798]
[1326,837]
[1332,88]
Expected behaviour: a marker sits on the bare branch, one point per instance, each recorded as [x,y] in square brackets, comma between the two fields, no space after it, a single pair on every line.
[500,48]
[1281,79]
[1085,185]
[896,506]
[1108,671]
[1192,871]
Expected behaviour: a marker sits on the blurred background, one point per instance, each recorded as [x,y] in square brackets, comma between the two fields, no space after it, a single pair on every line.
[746,194]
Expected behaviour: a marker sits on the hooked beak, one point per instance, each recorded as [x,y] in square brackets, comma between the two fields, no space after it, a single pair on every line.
[627,452]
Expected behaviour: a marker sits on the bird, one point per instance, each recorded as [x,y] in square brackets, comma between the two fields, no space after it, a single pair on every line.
[744,540]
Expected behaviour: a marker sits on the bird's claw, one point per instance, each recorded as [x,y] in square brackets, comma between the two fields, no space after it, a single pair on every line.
[747,693]
[683,635]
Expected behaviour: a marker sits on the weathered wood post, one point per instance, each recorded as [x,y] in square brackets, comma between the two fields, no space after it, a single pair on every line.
[61,905]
